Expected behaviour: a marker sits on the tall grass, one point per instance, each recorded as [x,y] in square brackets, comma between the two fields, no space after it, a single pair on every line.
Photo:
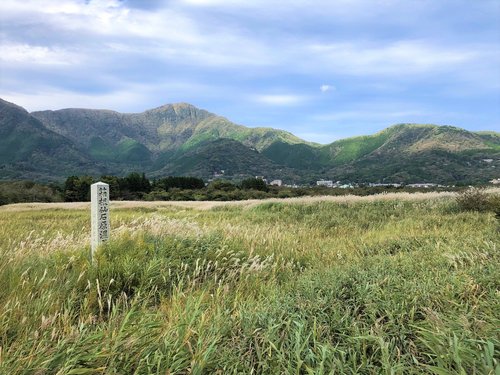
[391,286]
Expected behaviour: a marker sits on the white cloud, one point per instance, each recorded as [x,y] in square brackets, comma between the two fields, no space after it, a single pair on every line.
[280,99]
[325,88]
[72,51]
[38,55]
[123,98]
[95,16]
[109,28]
[175,34]
[213,3]
[58,99]
[396,58]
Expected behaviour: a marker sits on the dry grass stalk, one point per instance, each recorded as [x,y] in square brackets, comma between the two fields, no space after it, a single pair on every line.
[207,205]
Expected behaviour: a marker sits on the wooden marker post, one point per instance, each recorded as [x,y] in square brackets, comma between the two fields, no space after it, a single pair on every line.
[99,213]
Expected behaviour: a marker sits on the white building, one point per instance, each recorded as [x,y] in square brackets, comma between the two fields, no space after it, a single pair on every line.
[384,185]
[327,183]
[276,183]
[422,185]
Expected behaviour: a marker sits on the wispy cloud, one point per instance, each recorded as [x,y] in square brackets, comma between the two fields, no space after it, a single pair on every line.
[38,55]
[395,58]
[135,54]
[280,99]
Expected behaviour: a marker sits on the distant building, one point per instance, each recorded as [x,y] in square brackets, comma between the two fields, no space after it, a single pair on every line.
[327,183]
[276,183]
[495,181]
[488,160]
[422,185]
[219,173]
[384,185]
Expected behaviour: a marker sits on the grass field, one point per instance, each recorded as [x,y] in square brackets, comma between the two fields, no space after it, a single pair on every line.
[395,284]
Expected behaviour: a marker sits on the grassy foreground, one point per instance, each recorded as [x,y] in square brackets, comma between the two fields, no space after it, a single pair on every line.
[393,286]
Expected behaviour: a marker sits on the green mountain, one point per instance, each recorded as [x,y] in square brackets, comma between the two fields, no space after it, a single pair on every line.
[180,139]
[29,150]
[401,153]
[222,156]
[413,153]
[166,128]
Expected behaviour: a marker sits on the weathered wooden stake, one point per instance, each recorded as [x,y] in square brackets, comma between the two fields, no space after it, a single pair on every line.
[99,213]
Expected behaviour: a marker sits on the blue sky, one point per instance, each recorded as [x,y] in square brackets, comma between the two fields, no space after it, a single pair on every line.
[322,70]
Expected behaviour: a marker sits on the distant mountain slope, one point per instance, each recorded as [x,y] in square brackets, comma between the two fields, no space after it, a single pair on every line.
[491,139]
[168,127]
[415,153]
[406,139]
[222,156]
[179,139]
[30,150]
[401,153]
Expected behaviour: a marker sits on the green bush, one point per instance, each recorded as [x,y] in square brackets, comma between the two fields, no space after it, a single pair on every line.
[255,184]
[494,203]
[28,191]
[473,199]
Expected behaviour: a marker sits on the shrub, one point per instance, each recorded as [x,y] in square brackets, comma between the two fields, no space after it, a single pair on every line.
[473,199]
[494,203]
[223,185]
[254,183]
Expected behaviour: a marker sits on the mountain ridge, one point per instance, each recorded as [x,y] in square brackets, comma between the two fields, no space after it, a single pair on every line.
[180,138]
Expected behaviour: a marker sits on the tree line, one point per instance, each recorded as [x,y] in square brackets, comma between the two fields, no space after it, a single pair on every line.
[137,186]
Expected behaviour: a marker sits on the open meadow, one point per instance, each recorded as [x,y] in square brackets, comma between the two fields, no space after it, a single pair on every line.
[391,284]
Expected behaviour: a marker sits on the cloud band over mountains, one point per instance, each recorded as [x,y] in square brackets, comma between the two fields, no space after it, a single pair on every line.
[260,62]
